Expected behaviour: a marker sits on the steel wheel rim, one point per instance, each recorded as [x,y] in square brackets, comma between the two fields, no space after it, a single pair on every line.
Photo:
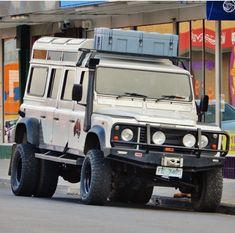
[87,178]
[18,170]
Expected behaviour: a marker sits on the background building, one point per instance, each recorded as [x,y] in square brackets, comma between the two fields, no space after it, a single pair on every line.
[22,22]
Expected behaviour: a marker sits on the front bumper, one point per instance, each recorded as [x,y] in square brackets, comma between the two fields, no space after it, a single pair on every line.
[152,159]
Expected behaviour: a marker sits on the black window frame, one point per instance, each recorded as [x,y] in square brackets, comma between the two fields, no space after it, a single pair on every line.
[52,81]
[64,84]
[30,80]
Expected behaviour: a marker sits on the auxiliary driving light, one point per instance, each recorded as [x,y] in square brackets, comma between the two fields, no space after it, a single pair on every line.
[159,138]
[189,140]
[127,135]
[204,141]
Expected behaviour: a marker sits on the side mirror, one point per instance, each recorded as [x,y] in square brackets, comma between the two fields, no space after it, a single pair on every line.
[77,92]
[203,107]
[204,104]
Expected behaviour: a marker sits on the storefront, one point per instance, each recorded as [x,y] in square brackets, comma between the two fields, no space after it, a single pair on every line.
[197,41]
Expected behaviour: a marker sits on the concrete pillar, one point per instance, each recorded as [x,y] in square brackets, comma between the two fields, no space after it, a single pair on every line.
[23,44]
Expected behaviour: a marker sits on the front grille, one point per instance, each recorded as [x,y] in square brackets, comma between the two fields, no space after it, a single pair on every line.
[174,137]
[143,135]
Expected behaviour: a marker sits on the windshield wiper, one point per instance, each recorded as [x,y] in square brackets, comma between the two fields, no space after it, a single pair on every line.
[128,94]
[169,97]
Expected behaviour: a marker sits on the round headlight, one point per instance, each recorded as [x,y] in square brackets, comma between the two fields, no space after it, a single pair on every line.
[127,135]
[159,138]
[204,141]
[189,140]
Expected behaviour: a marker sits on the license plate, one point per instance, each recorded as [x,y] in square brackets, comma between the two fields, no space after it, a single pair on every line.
[169,171]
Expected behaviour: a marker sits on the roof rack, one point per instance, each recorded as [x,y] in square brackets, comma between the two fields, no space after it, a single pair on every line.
[174,60]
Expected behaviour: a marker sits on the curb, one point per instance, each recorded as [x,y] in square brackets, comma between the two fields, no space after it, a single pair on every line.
[185,204]
[6,150]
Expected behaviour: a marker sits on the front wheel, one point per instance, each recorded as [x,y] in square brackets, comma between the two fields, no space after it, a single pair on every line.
[208,195]
[95,184]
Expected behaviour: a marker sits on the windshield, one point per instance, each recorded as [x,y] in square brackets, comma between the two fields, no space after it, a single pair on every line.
[139,83]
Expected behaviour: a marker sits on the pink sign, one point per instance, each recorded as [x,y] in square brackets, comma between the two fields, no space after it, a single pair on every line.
[232,77]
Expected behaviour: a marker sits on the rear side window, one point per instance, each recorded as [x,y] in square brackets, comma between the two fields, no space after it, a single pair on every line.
[68,85]
[38,79]
[54,83]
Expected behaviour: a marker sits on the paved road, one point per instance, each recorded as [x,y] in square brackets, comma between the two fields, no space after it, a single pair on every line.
[65,214]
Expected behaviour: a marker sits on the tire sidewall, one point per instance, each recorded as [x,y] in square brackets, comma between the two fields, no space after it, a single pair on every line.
[84,194]
[209,195]
[26,184]
[100,181]
[15,183]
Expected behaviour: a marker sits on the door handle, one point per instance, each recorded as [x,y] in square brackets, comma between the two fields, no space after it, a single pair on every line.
[56,118]
[72,121]
[43,117]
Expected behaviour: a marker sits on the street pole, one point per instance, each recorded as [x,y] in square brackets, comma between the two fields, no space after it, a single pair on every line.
[218,61]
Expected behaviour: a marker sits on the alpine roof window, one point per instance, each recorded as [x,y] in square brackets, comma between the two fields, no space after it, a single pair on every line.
[70,56]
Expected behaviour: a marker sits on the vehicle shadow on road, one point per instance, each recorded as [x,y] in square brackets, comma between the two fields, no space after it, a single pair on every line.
[156,203]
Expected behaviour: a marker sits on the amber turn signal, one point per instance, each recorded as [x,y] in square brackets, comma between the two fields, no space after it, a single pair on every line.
[116,138]
[169,149]
[213,146]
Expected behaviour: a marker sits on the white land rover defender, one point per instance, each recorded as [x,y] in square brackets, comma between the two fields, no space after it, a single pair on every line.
[118,123]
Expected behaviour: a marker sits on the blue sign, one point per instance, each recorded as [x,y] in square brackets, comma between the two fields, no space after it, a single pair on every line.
[79,3]
[220,10]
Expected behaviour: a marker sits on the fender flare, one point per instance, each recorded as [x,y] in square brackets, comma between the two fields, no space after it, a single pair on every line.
[31,126]
[97,131]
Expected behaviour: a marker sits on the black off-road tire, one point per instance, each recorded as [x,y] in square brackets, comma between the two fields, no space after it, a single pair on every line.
[143,195]
[48,179]
[208,196]
[24,170]
[95,184]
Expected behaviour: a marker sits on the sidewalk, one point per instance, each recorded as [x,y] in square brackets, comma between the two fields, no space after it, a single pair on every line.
[161,195]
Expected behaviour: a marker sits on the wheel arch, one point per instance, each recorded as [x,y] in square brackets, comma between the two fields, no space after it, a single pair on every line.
[30,126]
[95,139]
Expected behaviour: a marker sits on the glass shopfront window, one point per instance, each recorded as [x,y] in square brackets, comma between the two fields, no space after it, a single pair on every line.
[209,59]
[161,28]
[11,88]
[184,43]
[197,65]
[228,61]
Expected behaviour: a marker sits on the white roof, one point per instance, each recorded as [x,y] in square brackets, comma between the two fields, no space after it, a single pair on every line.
[62,44]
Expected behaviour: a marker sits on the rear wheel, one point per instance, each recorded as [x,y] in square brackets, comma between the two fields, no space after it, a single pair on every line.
[208,195]
[95,182]
[24,170]
[48,179]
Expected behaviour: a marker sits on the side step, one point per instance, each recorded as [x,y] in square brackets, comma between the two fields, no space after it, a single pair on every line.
[59,159]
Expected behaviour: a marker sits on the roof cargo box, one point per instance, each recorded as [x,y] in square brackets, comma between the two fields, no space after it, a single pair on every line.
[117,40]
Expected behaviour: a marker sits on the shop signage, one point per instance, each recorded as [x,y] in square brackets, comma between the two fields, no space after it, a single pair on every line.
[220,10]
[79,3]
[227,38]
